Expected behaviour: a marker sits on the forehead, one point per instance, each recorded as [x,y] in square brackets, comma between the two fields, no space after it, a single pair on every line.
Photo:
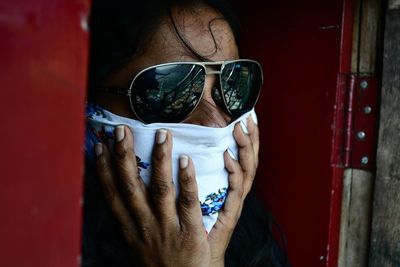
[203,29]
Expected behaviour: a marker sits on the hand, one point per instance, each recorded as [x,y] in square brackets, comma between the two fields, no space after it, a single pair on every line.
[161,231]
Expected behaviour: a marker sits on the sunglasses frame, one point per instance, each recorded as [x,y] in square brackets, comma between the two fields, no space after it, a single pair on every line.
[128,91]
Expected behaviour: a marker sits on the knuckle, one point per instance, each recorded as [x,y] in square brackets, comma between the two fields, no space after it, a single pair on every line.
[160,189]
[188,199]
[190,239]
[159,156]
[249,174]
[129,188]
[186,180]
[121,152]
[240,192]
[101,164]
[238,168]
[228,223]
[127,233]
[145,233]
[247,141]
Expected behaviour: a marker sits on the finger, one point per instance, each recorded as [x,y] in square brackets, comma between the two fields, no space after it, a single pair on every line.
[162,187]
[246,155]
[190,216]
[230,213]
[254,137]
[130,183]
[113,198]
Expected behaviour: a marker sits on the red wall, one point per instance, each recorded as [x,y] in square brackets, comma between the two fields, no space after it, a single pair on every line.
[299,46]
[43,53]
[43,65]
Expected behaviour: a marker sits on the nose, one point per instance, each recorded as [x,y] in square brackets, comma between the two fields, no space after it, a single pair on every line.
[210,112]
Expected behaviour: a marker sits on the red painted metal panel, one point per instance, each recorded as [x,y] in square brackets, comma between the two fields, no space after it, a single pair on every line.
[303,46]
[43,68]
[346,42]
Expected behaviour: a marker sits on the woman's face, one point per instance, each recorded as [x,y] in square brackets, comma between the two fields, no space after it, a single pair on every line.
[207,33]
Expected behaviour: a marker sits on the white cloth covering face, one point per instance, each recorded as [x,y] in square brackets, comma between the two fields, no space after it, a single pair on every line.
[204,145]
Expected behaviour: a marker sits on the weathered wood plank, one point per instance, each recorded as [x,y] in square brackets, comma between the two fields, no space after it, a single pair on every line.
[385,236]
[365,31]
[355,223]
[370,12]
[355,219]
[356,36]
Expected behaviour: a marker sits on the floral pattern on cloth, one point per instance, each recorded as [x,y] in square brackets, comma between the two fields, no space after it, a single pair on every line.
[214,202]
[94,110]
[103,134]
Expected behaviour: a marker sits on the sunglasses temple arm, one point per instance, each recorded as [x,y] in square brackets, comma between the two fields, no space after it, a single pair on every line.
[114,90]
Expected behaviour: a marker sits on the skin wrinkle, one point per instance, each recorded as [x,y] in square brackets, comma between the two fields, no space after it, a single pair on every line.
[210,35]
[205,31]
[208,111]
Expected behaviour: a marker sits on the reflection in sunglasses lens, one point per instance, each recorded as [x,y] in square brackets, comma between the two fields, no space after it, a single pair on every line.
[170,92]
[241,81]
[167,93]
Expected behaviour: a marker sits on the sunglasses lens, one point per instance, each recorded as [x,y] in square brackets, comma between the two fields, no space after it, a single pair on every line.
[241,83]
[167,93]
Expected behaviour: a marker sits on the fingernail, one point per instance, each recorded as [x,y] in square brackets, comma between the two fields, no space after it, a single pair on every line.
[161,136]
[231,154]
[183,161]
[244,127]
[98,149]
[254,118]
[119,133]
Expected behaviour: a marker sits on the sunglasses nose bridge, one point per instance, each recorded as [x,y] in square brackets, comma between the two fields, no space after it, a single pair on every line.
[213,67]
[211,90]
[211,71]
[212,74]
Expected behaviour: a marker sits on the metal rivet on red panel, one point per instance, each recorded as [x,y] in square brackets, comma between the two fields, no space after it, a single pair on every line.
[364,160]
[367,110]
[361,135]
[364,84]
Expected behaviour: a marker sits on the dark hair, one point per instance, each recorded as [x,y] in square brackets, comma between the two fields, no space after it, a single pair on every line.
[118,29]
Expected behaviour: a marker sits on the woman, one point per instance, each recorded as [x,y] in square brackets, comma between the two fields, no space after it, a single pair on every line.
[138,222]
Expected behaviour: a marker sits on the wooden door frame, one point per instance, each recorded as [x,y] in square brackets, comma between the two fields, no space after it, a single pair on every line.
[357,190]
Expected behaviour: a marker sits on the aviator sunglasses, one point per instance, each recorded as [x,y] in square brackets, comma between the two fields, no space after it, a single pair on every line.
[170,92]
